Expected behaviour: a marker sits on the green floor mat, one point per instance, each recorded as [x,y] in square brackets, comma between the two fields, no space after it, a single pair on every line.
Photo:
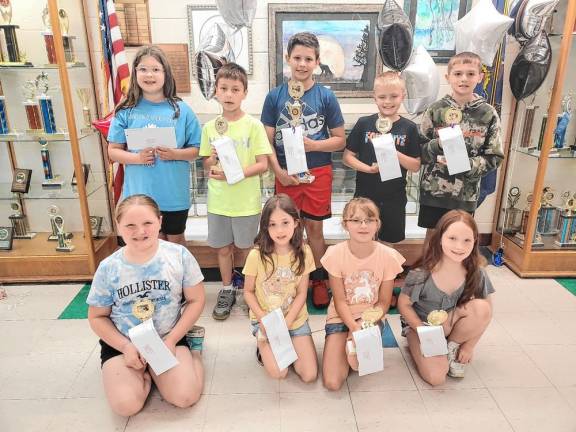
[77,308]
[569,284]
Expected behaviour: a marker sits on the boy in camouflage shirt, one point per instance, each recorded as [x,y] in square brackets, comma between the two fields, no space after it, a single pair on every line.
[440,191]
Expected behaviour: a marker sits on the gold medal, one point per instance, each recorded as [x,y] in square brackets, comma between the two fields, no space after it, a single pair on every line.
[295,89]
[143,309]
[383,125]
[437,317]
[371,315]
[453,116]
[221,125]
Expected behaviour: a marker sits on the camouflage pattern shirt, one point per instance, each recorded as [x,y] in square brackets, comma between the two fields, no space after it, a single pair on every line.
[482,134]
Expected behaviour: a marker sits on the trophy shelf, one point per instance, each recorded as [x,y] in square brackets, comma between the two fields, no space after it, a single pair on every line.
[38,192]
[35,260]
[35,137]
[562,154]
[7,66]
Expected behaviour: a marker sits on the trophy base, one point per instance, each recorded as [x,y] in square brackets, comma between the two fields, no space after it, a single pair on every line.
[54,237]
[565,245]
[56,136]
[65,249]
[68,64]
[11,136]
[550,233]
[16,64]
[522,237]
[55,183]
[34,131]
[27,236]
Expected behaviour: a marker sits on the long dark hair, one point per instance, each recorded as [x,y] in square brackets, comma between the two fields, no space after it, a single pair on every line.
[264,242]
[135,92]
[433,254]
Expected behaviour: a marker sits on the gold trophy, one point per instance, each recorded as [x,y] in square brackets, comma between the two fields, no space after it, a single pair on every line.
[437,317]
[143,309]
[84,96]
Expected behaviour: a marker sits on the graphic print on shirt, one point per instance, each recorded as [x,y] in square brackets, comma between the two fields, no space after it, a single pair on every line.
[312,122]
[279,289]
[361,287]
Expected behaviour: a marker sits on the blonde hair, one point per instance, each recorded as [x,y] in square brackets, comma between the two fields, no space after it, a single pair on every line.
[143,200]
[465,57]
[365,205]
[390,78]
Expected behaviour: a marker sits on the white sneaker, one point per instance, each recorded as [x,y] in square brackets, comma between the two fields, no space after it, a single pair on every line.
[455,369]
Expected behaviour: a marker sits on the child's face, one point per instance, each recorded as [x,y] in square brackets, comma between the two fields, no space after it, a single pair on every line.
[139,227]
[361,228]
[388,98]
[230,93]
[150,76]
[281,227]
[463,78]
[302,61]
[457,242]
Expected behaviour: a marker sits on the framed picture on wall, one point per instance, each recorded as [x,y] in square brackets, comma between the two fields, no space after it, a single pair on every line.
[207,30]
[433,22]
[347,34]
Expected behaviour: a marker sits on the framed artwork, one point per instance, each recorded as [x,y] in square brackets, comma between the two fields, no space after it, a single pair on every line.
[134,21]
[206,27]
[433,22]
[349,58]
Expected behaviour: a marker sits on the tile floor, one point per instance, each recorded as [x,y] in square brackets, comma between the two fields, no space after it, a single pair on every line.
[523,377]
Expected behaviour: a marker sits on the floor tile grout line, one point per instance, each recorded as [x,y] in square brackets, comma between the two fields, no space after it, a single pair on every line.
[82,368]
[352,404]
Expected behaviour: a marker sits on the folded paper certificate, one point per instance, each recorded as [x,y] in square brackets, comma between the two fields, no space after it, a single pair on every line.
[279,339]
[369,350]
[454,147]
[387,157]
[141,138]
[293,140]
[229,159]
[432,341]
[149,344]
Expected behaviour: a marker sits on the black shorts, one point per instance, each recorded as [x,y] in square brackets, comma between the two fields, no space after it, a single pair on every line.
[429,216]
[174,222]
[107,352]
[392,217]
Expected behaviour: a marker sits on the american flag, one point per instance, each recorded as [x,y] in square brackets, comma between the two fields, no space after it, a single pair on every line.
[115,69]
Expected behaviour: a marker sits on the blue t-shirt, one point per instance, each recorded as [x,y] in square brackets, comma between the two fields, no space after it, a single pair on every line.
[120,284]
[168,182]
[320,112]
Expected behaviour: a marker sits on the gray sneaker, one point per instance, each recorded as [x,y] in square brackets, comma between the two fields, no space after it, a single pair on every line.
[455,369]
[224,302]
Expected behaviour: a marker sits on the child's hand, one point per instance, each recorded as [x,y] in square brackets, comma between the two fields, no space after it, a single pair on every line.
[310,145]
[216,174]
[464,354]
[132,357]
[213,156]
[262,329]
[286,180]
[372,135]
[441,159]
[374,169]
[166,153]
[146,156]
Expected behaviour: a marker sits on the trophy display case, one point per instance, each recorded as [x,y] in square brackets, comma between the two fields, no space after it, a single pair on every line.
[536,207]
[55,213]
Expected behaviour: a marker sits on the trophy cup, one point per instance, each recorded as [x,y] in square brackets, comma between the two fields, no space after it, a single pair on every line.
[567,226]
[548,214]
[45,103]
[521,234]
[31,106]
[19,222]
[67,40]
[63,238]
[84,96]
[9,52]
[54,212]
[50,180]
[512,215]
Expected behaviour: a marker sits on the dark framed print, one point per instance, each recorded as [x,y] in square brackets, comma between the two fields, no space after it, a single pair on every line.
[349,59]
[85,171]
[21,180]
[6,237]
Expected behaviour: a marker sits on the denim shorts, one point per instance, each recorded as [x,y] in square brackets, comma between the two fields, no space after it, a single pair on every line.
[303,330]
[343,328]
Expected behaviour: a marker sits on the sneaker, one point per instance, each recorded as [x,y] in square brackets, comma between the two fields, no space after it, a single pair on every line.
[320,295]
[259,357]
[455,369]
[224,302]
[195,338]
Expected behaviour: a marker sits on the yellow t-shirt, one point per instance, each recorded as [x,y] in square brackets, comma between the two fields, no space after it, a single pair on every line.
[279,290]
[250,140]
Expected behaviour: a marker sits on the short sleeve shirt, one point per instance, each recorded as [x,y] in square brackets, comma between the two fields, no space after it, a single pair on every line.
[407,139]
[361,277]
[120,284]
[426,296]
[278,290]
[250,140]
[320,112]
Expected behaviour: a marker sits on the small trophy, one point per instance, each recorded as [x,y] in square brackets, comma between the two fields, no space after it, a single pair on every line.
[371,316]
[21,180]
[10,54]
[521,235]
[84,96]
[31,106]
[63,238]
[567,226]
[67,40]
[512,215]
[526,135]
[50,180]
[45,102]
[6,237]
[143,309]
[96,226]
[20,222]
[54,212]
[437,317]
[4,129]
[548,214]
[295,109]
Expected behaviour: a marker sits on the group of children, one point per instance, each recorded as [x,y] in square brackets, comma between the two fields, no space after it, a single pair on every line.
[279,263]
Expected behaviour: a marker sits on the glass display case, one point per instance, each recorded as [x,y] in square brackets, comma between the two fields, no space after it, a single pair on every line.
[54,199]
[536,211]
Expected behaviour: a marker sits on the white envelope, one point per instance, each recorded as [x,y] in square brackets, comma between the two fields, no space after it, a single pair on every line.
[454,148]
[229,159]
[149,344]
[387,157]
[432,341]
[293,140]
[369,350]
[279,338]
[141,138]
